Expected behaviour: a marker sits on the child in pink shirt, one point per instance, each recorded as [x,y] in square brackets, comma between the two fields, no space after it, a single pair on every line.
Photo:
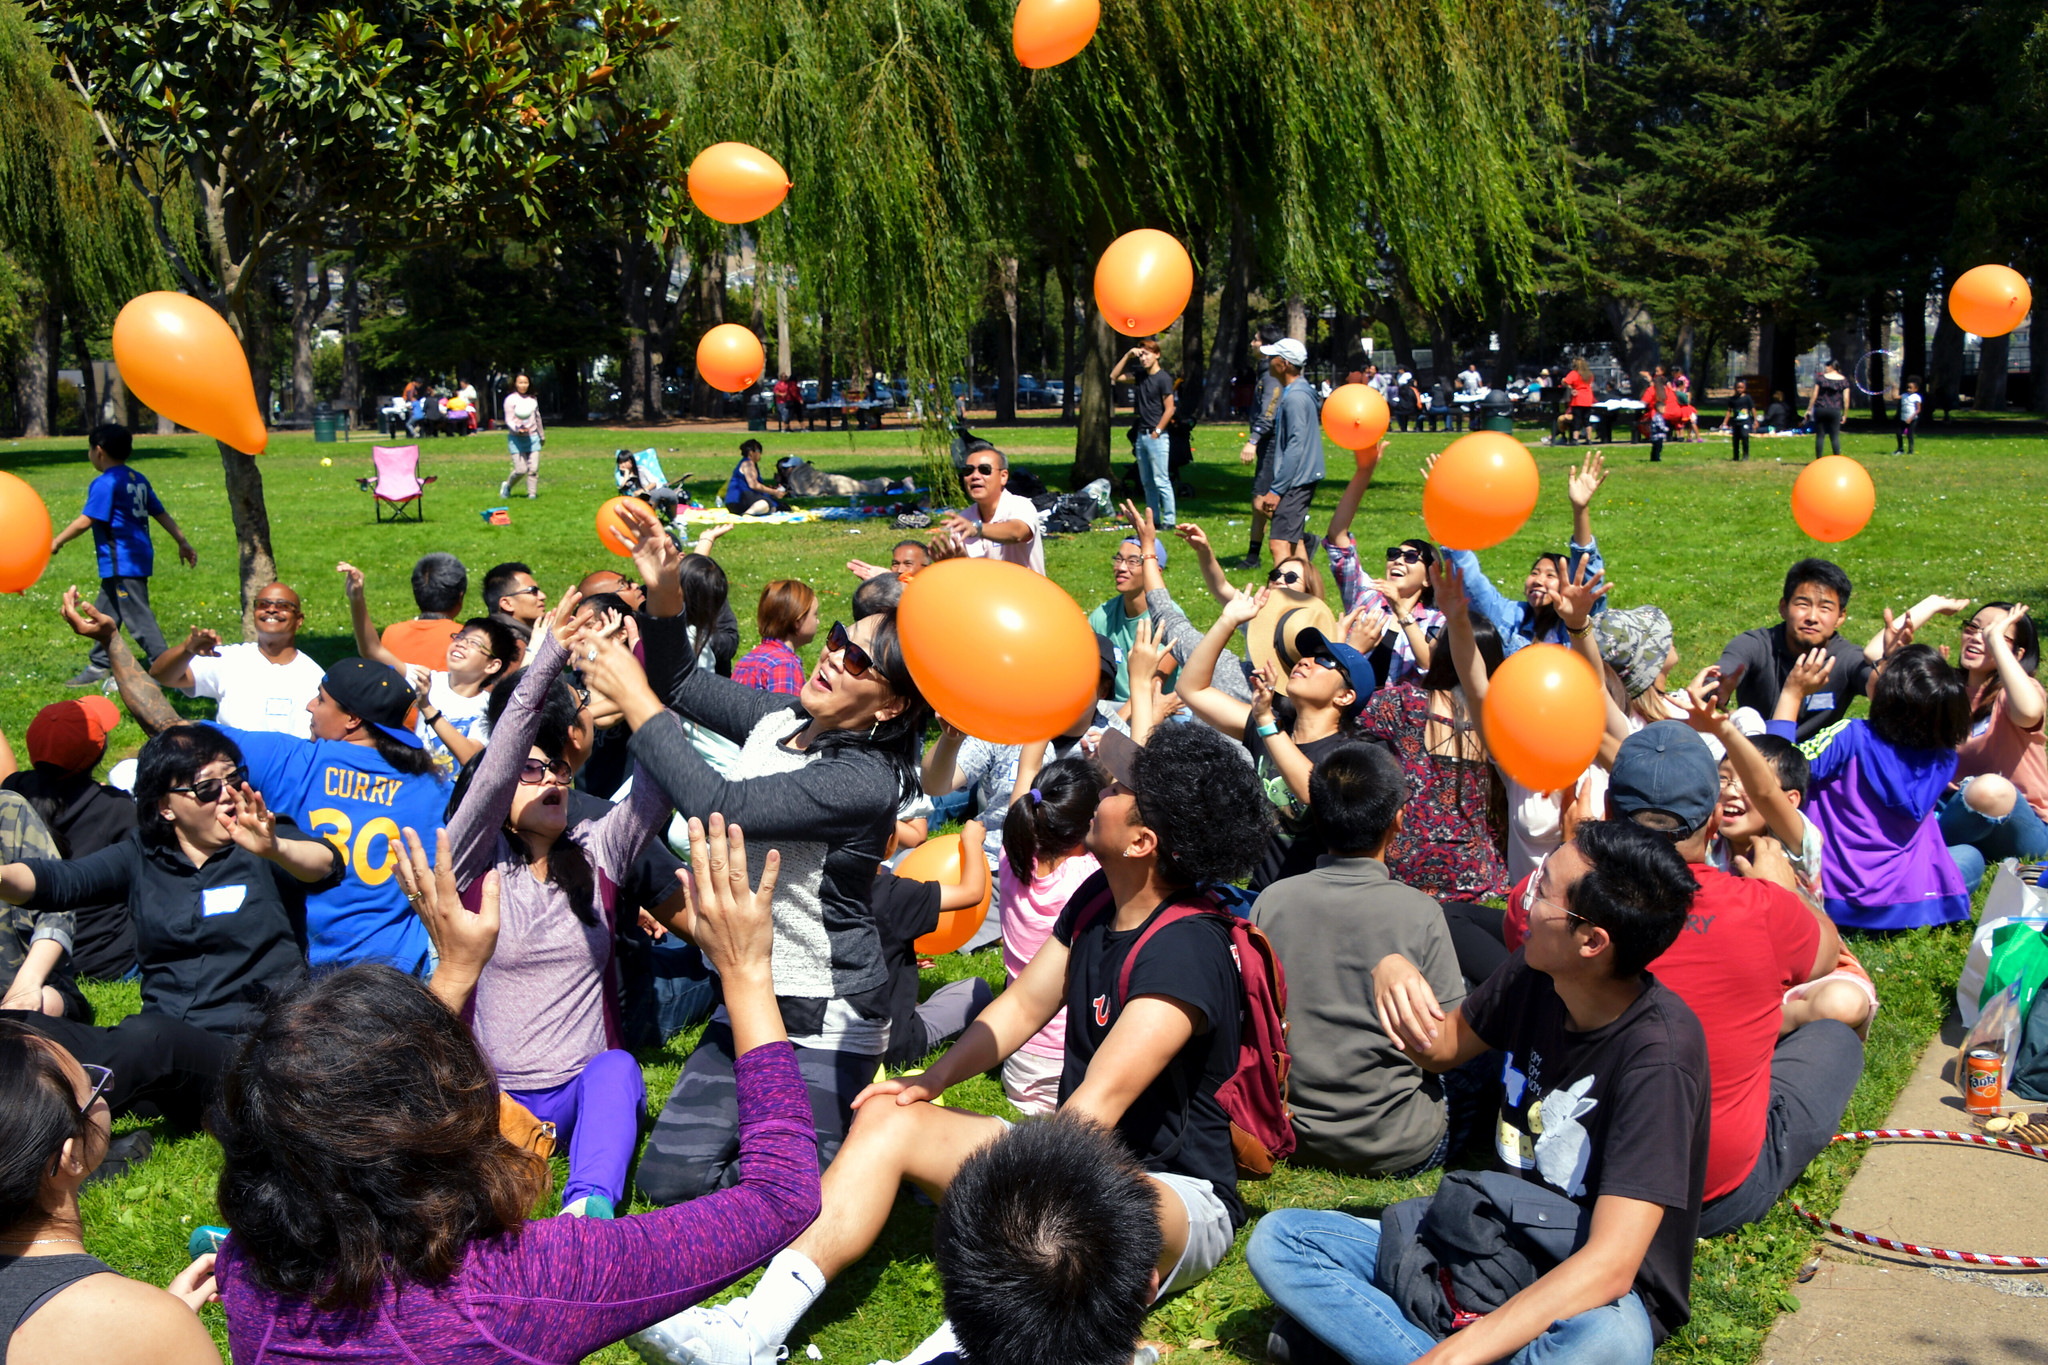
[1043,863]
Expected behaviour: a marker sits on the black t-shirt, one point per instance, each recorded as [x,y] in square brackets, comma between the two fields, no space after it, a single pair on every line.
[1176,1124]
[905,911]
[1828,391]
[94,816]
[1295,843]
[1766,660]
[1151,395]
[1619,1110]
[1741,410]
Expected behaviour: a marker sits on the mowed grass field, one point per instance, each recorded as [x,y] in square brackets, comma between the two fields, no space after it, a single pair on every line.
[1705,539]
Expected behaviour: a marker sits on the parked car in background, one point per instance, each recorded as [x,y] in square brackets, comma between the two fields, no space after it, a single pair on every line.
[1034,393]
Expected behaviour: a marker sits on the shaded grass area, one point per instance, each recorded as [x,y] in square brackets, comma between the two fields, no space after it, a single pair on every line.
[1707,540]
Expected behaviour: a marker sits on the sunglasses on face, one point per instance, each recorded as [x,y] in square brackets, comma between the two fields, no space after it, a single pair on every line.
[1407,554]
[536,771]
[981,469]
[206,791]
[855,660]
[276,604]
[1329,661]
[1287,576]
[100,1077]
[534,589]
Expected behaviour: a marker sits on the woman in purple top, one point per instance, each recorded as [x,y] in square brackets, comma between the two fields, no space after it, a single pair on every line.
[543,1011]
[380,1215]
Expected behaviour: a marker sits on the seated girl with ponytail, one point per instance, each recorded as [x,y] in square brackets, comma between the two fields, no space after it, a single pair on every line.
[1043,864]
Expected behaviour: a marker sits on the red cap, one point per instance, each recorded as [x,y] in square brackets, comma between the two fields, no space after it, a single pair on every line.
[72,734]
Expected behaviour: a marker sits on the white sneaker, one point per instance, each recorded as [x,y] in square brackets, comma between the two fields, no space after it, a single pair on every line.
[706,1336]
[505,489]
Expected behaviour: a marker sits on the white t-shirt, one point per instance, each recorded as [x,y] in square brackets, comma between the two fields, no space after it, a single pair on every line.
[1909,406]
[256,694]
[1030,553]
[466,714]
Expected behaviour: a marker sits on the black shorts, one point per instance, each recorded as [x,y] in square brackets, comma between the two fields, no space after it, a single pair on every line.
[1290,518]
[1262,474]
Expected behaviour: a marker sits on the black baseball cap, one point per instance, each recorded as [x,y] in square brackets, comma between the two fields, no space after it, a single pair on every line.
[375,693]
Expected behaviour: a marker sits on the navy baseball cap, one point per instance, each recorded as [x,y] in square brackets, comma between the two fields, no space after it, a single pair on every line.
[1665,770]
[1312,642]
[376,694]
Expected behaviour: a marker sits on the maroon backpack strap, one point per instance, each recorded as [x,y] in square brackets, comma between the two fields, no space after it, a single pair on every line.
[1095,906]
[1172,914]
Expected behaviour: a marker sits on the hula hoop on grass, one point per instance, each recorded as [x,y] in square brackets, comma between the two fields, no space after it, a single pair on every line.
[1913,1249]
[1864,371]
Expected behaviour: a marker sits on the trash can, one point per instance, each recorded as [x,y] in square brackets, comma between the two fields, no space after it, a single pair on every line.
[1499,412]
[757,413]
[324,426]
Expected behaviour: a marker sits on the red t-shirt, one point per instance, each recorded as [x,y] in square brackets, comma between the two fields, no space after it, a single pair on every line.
[1581,387]
[1744,944]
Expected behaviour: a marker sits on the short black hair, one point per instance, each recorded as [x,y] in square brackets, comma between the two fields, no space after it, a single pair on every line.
[115,440]
[879,594]
[750,446]
[1826,573]
[1045,1246]
[916,545]
[439,583]
[1637,888]
[1354,795]
[1206,804]
[1270,335]
[606,604]
[1917,701]
[174,759]
[505,647]
[498,581]
[1793,771]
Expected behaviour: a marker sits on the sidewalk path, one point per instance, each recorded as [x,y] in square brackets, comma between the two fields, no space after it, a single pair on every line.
[1867,1305]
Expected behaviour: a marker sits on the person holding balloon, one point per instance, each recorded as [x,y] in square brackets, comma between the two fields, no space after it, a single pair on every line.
[906,909]
[525,434]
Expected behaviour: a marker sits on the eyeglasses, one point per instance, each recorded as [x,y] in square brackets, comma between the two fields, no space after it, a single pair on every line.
[470,642]
[206,791]
[275,604]
[534,588]
[100,1077]
[536,771]
[1407,554]
[1129,561]
[855,660]
[981,469]
[1287,576]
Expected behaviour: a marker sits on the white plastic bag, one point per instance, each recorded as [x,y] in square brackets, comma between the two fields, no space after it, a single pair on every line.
[2010,900]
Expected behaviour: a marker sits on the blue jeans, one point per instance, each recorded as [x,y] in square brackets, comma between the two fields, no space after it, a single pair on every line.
[1318,1268]
[1158,483]
[1976,840]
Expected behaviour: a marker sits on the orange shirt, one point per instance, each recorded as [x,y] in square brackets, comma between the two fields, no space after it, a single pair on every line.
[421,642]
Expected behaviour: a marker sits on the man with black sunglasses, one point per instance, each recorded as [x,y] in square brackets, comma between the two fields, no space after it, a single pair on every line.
[263,684]
[1006,525]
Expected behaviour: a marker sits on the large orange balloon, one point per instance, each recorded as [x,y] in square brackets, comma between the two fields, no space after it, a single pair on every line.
[998,650]
[24,535]
[1047,32]
[1481,490]
[735,183]
[1833,498]
[1143,281]
[614,532]
[179,357]
[1545,711]
[942,860]
[1355,416]
[1990,300]
[730,358]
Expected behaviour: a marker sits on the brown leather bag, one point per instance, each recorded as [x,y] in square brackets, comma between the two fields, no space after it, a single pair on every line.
[523,1130]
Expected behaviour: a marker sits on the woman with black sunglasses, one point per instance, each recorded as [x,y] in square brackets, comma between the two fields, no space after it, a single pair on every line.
[820,777]
[1404,595]
[215,883]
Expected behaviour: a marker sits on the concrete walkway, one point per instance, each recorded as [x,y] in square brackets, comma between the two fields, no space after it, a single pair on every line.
[1866,1305]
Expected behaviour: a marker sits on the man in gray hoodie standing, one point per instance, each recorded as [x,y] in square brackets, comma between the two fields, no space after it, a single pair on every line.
[1297,452]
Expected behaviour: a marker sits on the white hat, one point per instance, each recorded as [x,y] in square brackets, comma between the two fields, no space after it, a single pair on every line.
[1289,350]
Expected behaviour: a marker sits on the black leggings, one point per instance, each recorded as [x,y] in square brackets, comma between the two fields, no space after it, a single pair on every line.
[1738,434]
[1582,417]
[163,1067]
[1478,936]
[1906,435]
[1827,422]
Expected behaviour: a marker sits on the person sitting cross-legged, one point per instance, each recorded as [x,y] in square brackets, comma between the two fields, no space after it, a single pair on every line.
[1604,1123]
[1146,1061]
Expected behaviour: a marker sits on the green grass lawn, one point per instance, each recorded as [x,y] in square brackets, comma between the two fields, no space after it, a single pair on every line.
[1705,539]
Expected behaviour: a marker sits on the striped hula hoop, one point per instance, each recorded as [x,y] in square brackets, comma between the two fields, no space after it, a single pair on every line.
[1911,1248]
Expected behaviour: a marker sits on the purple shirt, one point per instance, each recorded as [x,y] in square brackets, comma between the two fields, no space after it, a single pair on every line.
[560,1288]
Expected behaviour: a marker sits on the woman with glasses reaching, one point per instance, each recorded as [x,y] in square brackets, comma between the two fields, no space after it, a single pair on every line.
[543,1008]
[820,776]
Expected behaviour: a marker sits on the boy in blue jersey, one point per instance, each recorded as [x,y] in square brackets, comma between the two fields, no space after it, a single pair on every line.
[118,506]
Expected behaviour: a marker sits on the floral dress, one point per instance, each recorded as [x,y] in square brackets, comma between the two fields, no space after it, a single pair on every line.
[1451,836]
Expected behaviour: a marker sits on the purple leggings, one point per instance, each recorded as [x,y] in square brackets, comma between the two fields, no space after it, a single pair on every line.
[597,1116]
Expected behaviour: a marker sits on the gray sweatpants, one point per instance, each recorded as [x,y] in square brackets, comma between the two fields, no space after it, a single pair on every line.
[127,601]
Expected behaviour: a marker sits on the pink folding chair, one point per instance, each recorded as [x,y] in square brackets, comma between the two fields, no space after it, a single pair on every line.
[397,485]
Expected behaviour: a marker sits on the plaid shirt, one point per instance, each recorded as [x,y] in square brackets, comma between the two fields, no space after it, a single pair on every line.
[22,836]
[771,666]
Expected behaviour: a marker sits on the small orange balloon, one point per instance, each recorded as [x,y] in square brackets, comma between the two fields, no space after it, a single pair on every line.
[24,534]
[730,358]
[1545,711]
[734,183]
[613,530]
[182,360]
[1355,416]
[943,860]
[1481,490]
[1143,282]
[998,650]
[1833,498]
[1047,32]
[1990,300]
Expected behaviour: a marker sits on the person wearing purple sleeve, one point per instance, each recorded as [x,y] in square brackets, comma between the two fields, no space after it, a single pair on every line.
[543,1008]
[1534,619]
[401,1235]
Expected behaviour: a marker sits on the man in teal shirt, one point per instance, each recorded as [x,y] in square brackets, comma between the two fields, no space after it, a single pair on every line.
[1117,619]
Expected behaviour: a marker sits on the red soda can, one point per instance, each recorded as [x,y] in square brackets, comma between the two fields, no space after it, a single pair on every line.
[1985,1085]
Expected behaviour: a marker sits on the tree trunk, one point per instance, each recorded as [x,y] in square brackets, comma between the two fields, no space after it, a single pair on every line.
[781,326]
[1068,397]
[1991,373]
[302,336]
[1777,360]
[1227,351]
[1913,335]
[1006,344]
[709,311]
[351,398]
[1945,364]
[1687,334]
[1508,326]
[629,253]
[1189,400]
[32,370]
[1297,318]
[252,530]
[1091,435]
[88,383]
[1845,348]
[1635,331]
[1876,327]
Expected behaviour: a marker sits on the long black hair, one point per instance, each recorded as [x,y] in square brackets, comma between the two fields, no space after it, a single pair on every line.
[900,740]
[2026,651]
[704,597]
[568,868]
[174,759]
[1052,818]
[38,1114]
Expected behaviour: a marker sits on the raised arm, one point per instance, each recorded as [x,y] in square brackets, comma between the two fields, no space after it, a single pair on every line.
[173,667]
[1225,713]
[1205,560]
[940,772]
[368,645]
[139,691]
[2023,700]
[258,830]
[1483,597]
[1917,615]
[1584,482]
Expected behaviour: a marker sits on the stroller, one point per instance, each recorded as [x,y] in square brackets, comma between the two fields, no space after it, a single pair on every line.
[638,474]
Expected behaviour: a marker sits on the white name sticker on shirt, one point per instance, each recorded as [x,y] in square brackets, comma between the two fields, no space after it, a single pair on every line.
[1981,728]
[1820,701]
[222,900]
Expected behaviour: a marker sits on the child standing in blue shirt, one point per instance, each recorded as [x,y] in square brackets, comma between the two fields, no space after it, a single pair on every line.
[118,507]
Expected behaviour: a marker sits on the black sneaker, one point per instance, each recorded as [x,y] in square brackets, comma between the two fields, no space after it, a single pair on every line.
[1292,1344]
[90,674]
[1248,562]
[124,1154]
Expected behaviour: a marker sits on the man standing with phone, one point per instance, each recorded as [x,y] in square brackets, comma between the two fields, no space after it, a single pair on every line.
[1154,403]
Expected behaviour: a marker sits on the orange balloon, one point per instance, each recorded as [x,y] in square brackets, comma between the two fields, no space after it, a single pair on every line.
[1545,711]
[1833,498]
[734,183]
[1990,300]
[730,358]
[24,534]
[1355,416]
[1143,281]
[181,359]
[943,860]
[1047,32]
[614,531]
[998,650]
[1481,490]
